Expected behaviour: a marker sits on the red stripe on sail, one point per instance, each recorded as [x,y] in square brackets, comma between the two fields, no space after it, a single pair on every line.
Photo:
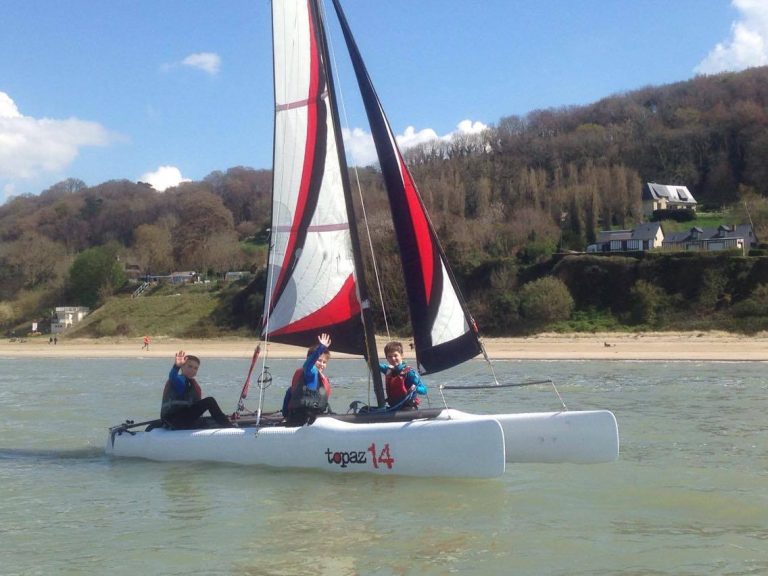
[340,308]
[420,229]
[309,152]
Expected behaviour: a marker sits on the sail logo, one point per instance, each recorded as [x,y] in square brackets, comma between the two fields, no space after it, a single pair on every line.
[378,458]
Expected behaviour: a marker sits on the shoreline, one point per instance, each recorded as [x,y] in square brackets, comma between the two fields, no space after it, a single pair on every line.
[658,346]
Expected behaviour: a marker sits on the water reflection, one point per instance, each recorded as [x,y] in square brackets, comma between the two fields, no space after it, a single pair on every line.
[186,500]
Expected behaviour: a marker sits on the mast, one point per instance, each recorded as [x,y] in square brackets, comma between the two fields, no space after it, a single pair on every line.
[371,352]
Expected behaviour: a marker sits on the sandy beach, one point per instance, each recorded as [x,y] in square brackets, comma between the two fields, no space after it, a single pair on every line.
[600,346]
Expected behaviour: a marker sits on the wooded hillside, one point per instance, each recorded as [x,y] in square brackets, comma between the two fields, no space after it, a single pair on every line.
[503,201]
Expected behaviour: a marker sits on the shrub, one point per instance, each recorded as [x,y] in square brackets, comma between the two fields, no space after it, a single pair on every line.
[107,327]
[647,301]
[545,300]
[755,305]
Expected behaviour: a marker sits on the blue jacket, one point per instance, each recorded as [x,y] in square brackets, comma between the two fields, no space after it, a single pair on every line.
[311,374]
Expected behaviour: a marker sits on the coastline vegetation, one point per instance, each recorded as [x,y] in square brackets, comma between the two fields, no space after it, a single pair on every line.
[514,207]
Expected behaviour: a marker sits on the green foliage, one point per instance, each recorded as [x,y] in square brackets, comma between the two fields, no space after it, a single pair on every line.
[755,305]
[536,251]
[7,313]
[180,315]
[648,300]
[589,320]
[107,327]
[497,312]
[675,215]
[96,272]
[599,281]
[545,301]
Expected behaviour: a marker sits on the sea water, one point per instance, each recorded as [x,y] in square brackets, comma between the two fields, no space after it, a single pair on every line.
[688,495]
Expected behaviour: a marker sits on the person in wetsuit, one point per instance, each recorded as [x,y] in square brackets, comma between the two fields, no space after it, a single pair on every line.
[183,403]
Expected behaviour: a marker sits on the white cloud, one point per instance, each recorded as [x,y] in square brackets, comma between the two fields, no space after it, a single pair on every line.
[8,107]
[359,146]
[30,147]
[748,45]
[469,127]
[362,151]
[163,178]
[206,61]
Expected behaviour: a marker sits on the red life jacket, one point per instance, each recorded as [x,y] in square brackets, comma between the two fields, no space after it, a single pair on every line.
[397,389]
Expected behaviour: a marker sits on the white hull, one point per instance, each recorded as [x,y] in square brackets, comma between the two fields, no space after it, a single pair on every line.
[579,437]
[455,444]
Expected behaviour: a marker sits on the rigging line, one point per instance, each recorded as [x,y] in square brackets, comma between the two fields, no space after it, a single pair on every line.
[267,309]
[340,97]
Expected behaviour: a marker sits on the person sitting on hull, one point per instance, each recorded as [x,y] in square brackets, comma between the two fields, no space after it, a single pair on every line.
[310,389]
[183,401]
[402,382]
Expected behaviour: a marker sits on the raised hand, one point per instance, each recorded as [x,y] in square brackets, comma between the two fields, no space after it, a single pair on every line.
[181,357]
[325,340]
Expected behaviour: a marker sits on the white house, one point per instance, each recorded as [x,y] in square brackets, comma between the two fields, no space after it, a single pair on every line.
[643,237]
[666,197]
[66,316]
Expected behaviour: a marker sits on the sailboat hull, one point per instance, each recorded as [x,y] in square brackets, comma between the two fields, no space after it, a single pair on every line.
[578,437]
[470,448]
[450,443]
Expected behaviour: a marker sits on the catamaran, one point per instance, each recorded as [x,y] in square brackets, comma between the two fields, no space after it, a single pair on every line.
[316,284]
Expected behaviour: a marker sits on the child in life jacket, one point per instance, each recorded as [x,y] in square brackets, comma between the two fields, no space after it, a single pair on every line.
[183,401]
[401,381]
[310,389]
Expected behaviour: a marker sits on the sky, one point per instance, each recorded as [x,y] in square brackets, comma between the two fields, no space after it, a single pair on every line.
[163,91]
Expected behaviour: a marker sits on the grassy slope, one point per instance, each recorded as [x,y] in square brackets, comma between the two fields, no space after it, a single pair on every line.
[183,314]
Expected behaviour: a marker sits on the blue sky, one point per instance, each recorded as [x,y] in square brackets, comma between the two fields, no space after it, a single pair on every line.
[164,90]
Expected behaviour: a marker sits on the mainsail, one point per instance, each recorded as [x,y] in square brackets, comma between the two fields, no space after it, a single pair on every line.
[315,271]
[312,285]
[444,333]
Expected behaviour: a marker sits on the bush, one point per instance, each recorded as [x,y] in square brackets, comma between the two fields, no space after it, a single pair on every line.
[545,300]
[755,305]
[107,327]
[7,313]
[647,301]
[676,215]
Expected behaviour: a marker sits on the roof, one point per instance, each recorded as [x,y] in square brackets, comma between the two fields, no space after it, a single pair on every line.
[669,192]
[722,231]
[647,231]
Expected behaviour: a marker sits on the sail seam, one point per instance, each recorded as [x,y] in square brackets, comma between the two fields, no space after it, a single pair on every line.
[314,228]
[304,102]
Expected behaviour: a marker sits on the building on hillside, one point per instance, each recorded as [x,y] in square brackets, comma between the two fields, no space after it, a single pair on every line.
[66,316]
[724,237]
[666,197]
[641,238]
[236,275]
[186,277]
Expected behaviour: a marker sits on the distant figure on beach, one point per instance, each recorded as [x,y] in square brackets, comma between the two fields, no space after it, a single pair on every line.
[146,343]
[50,340]
[55,340]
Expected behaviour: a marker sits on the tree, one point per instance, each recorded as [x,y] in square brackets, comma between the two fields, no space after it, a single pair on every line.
[201,215]
[545,300]
[95,273]
[35,259]
[152,248]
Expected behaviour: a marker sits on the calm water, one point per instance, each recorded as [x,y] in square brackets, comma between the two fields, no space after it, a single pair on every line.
[688,496]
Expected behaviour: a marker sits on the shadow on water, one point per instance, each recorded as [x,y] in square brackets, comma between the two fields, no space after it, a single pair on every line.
[74,455]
